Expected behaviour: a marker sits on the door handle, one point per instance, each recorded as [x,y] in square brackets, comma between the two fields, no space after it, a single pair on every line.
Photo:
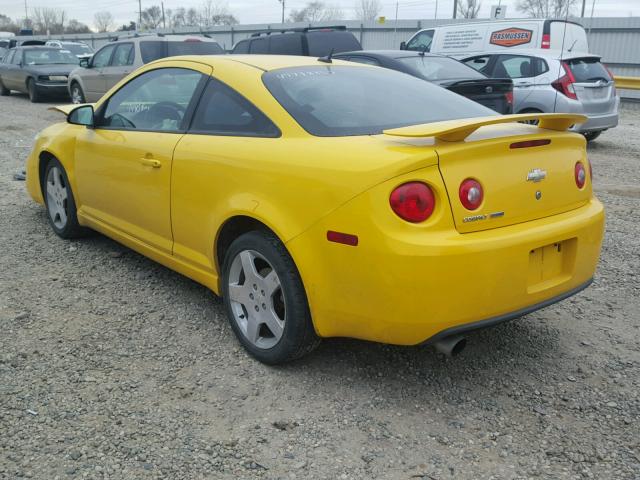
[150,162]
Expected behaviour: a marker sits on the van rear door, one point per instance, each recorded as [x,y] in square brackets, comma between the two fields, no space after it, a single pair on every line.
[561,35]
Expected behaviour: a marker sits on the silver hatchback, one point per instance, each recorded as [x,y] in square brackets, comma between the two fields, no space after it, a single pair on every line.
[551,81]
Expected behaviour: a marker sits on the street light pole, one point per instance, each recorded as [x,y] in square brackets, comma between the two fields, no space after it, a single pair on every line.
[282,2]
[455,8]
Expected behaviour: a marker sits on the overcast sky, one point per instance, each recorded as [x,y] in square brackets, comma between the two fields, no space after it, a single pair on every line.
[268,11]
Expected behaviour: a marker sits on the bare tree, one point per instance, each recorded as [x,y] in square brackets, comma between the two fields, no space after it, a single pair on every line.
[8,25]
[216,12]
[546,8]
[367,10]
[469,8]
[49,20]
[103,21]
[316,12]
[192,18]
[151,17]
[74,26]
[179,17]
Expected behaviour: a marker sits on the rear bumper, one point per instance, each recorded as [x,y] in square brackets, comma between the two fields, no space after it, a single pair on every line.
[412,284]
[597,122]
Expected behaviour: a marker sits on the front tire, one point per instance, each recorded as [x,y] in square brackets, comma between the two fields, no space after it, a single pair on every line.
[4,91]
[265,299]
[32,89]
[76,93]
[58,198]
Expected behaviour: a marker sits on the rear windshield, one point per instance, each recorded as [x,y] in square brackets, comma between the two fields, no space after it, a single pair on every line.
[152,50]
[587,70]
[77,49]
[335,101]
[440,68]
[322,42]
[52,56]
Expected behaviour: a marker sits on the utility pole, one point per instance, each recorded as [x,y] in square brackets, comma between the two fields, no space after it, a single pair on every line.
[26,15]
[455,8]
[435,15]
[583,5]
[139,15]
[282,2]
[164,24]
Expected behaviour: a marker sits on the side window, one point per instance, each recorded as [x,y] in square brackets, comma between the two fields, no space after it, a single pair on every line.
[366,60]
[421,42]
[514,66]
[540,66]
[17,57]
[154,101]
[101,59]
[259,45]
[123,55]
[286,44]
[479,63]
[223,111]
[242,47]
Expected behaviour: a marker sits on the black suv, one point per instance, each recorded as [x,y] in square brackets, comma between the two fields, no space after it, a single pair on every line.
[312,41]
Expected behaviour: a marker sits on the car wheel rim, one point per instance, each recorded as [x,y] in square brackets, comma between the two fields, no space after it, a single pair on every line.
[257,299]
[57,195]
[76,97]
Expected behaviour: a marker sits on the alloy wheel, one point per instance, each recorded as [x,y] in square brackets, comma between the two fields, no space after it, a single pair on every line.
[257,299]
[76,95]
[57,195]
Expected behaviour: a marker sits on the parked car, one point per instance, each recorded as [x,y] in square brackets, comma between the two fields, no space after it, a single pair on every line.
[494,93]
[38,71]
[79,49]
[311,41]
[501,36]
[552,81]
[117,59]
[328,199]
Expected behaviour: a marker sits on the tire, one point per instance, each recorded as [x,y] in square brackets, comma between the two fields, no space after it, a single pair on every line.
[591,136]
[4,91]
[58,198]
[32,89]
[76,93]
[266,307]
[530,110]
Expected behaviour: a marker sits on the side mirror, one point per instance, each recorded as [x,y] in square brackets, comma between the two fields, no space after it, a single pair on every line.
[84,62]
[82,115]
[403,45]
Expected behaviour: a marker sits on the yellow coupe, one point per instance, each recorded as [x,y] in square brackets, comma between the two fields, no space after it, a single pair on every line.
[323,198]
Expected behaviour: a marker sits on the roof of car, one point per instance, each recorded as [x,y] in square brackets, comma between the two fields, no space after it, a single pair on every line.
[537,52]
[389,53]
[262,62]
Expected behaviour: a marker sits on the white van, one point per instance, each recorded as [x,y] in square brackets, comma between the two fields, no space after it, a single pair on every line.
[465,39]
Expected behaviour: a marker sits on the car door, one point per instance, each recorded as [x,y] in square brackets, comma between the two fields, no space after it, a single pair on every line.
[123,164]
[523,70]
[120,66]
[6,70]
[208,165]
[93,77]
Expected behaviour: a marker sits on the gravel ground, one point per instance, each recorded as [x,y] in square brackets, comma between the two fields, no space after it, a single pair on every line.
[112,366]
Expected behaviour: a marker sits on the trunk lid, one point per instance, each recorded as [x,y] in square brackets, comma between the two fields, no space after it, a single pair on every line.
[490,92]
[519,184]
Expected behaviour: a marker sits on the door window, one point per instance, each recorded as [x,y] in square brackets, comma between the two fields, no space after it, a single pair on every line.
[223,111]
[259,45]
[514,66]
[101,59]
[17,57]
[479,63]
[242,47]
[154,101]
[123,55]
[421,42]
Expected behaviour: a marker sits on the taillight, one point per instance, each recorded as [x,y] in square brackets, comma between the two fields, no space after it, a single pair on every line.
[546,41]
[471,194]
[612,78]
[580,175]
[509,97]
[413,201]
[564,84]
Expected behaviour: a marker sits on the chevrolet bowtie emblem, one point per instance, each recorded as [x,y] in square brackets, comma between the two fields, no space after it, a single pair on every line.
[536,175]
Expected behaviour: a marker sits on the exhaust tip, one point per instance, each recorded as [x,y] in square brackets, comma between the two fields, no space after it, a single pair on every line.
[451,346]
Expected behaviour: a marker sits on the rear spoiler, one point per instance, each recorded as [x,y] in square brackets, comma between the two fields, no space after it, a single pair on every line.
[458,130]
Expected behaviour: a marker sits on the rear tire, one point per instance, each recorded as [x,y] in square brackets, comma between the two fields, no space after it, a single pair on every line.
[265,299]
[34,95]
[76,93]
[4,91]
[530,110]
[591,136]
[58,198]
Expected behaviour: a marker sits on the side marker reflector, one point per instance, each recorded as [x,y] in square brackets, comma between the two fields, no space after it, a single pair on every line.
[344,238]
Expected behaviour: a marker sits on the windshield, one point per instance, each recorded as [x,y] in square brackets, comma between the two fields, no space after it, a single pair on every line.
[333,101]
[587,70]
[77,49]
[152,50]
[52,56]
[440,68]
